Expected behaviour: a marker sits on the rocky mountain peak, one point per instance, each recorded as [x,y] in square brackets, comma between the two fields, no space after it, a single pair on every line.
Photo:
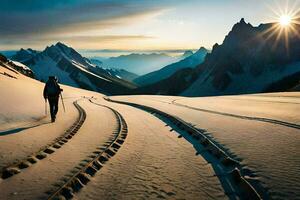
[62,46]
[202,49]
[187,54]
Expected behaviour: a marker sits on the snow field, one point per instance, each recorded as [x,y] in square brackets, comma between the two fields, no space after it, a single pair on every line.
[267,151]
[153,163]
[42,178]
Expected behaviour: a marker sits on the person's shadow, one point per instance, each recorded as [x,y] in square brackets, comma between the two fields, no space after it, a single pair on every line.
[17,130]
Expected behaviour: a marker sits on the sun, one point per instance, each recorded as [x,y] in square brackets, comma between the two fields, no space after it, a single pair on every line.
[285,23]
[285,20]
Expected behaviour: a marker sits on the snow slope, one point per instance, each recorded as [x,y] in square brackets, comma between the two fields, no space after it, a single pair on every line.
[21,65]
[153,164]
[22,119]
[27,136]
[20,112]
[261,131]
[118,151]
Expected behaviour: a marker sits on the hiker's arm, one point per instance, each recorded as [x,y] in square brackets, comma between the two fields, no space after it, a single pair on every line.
[45,92]
[59,88]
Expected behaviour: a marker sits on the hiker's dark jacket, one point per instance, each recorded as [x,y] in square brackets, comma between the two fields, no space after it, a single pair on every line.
[52,89]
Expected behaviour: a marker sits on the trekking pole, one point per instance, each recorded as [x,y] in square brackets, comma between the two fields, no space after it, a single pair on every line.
[46,107]
[62,102]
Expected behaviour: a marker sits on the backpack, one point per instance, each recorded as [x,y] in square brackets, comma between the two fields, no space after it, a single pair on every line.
[52,88]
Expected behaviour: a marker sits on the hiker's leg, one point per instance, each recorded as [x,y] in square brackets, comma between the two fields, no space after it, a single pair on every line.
[56,106]
[51,105]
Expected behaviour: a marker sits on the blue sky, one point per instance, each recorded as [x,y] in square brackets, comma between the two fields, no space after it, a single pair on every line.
[128,24]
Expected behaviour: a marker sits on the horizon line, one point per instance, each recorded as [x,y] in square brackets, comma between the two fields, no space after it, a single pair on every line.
[119,50]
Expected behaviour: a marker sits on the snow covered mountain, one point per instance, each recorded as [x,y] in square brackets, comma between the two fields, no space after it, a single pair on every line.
[139,63]
[71,69]
[120,73]
[15,67]
[250,60]
[189,62]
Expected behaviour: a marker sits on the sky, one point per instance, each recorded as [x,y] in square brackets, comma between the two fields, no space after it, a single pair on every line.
[128,25]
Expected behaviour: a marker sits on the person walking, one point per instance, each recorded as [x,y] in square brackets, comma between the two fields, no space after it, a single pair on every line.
[52,91]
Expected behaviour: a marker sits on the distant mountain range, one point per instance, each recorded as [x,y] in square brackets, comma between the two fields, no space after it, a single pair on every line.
[190,60]
[140,63]
[250,60]
[71,69]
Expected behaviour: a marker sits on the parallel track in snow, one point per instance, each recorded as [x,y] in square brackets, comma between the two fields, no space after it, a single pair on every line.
[81,177]
[231,168]
[17,167]
[260,100]
[261,119]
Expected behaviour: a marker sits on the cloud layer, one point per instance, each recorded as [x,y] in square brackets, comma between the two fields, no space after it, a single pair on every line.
[35,21]
[128,24]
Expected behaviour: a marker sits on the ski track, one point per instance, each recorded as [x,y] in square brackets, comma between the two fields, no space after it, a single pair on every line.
[261,119]
[18,166]
[258,100]
[54,171]
[154,164]
[226,168]
[81,177]
[267,150]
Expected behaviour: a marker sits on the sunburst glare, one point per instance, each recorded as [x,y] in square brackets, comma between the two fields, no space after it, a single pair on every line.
[285,20]
[287,17]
